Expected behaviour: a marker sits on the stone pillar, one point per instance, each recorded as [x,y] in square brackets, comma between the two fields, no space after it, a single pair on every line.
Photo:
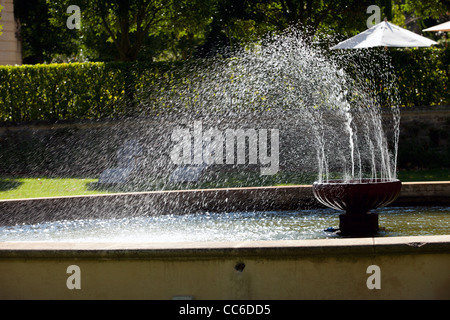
[10,45]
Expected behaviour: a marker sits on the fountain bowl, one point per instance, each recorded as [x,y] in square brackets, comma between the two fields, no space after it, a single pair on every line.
[357,198]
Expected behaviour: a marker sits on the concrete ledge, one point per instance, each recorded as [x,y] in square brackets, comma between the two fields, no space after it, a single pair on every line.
[405,268]
[32,211]
[214,250]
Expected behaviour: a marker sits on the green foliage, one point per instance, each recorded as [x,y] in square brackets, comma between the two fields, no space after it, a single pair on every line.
[116,89]
[424,8]
[416,15]
[40,39]
[88,90]
[423,76]
[168,30]
[63,91]
[135,29]
[1,27]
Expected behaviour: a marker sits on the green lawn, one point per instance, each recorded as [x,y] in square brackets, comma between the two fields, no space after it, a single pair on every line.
[425,175]
[18,188]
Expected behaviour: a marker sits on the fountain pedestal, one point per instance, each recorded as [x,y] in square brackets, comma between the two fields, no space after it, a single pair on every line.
[358,225]
[357,198]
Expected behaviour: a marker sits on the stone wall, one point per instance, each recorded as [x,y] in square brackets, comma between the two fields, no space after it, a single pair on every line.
[86,148]
[425,137]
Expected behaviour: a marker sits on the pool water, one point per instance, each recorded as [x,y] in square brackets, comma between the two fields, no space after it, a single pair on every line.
[233,226]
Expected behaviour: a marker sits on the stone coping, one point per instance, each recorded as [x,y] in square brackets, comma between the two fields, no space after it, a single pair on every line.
[212,250]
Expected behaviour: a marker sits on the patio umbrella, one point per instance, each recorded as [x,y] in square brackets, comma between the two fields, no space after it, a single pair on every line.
[440,27]
[385,34]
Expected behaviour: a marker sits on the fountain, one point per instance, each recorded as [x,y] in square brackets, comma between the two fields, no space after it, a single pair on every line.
[343,127]
[286,104]
[330,122]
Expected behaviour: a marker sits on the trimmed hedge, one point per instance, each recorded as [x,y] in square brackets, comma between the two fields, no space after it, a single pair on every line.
[110,90]
[74,91]
[423,76]
[43,92]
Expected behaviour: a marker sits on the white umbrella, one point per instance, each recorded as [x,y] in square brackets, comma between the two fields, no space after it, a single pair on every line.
[440,27]
[385,34]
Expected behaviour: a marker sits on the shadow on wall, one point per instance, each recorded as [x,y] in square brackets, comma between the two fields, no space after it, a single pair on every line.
[424,145]
[87,148]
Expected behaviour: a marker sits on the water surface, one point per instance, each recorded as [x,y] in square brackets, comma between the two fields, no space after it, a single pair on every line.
[233,226]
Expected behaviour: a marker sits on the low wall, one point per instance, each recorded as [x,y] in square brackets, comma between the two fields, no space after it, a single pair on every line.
[191,201]
[424,193]
[365,268]
[155,203]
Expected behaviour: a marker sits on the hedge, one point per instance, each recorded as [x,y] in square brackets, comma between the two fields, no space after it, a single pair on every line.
[74,91]
[101,90]
[423,76]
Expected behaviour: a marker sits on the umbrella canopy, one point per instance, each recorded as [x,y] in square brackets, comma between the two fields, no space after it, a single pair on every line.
[440,27]
[385,34]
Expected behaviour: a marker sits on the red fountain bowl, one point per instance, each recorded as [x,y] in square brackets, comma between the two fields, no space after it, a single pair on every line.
[357,198]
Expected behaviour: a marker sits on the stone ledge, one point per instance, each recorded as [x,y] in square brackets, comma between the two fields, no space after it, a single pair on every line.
[214,250]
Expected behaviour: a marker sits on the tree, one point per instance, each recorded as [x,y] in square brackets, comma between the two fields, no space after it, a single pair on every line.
[236,21]
[427,8]
[189,28]
[131,30]
[222,32]
[40,39]
[417,11]
[127,23]
[130,26]
[340,15]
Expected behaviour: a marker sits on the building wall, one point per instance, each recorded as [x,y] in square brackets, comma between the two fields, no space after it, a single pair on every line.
[10,46]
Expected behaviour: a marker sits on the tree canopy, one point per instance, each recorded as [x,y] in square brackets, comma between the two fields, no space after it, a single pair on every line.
[130,30]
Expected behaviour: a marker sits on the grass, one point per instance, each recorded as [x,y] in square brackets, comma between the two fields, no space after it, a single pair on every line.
[26,187]
[19,188]
[424,175]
